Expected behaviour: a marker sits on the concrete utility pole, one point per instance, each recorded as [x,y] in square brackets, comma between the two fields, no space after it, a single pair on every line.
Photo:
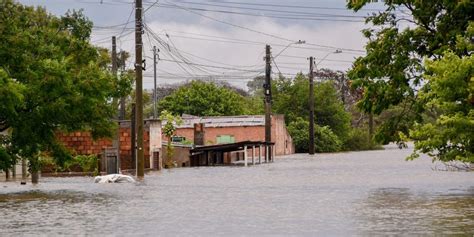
[311,106]
[139,87]
[154,82]
[268,101]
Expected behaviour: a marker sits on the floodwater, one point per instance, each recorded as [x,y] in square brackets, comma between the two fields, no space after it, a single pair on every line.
[357,193]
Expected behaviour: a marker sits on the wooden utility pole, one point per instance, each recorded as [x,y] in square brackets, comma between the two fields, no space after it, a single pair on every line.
[268,102]
[24,169]
[154,82]
[139,88]
[114,56]
[311,106]
[116,140]
[133,140]
[371,125]
[122,99]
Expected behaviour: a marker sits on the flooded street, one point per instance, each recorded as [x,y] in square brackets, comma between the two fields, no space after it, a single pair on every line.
[357,193]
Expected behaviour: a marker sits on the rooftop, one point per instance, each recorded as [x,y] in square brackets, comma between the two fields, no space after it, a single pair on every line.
[223,121]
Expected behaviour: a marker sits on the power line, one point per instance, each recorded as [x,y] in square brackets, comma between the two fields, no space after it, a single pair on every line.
[291,6]
[260,32]
[211,66]
[290,13]
[322,18]
[128,21]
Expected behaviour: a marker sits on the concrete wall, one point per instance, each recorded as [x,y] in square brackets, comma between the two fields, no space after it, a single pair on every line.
[180,155]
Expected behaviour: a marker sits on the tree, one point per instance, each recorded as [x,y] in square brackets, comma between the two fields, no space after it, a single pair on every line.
[449,94]
[392,70]
[171,121]
[325,139]
[59,81]
[291,97]
[255,86]
[203,99]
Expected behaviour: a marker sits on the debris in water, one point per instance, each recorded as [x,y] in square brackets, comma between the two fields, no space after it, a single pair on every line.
[114,178]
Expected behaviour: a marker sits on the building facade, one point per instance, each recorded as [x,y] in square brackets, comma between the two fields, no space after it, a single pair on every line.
[232,129]
[82,143]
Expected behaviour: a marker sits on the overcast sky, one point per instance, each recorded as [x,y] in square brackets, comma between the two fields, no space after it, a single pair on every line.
[225,39]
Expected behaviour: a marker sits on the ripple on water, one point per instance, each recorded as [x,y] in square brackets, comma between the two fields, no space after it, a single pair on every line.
[357,193]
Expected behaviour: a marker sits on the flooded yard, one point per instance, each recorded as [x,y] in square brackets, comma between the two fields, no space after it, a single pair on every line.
[356,193]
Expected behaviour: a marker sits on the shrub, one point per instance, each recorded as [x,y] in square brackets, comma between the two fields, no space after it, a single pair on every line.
[359,140]
[325,139]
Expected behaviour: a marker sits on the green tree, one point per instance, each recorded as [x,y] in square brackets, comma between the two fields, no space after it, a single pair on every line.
[291,99]
[392,70]
[203,99]
[451,94]
[60,81]
[325,140]
[255,86]
[171,121]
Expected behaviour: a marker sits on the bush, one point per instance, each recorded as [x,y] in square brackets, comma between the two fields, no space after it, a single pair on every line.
[359,140]
[87,163]
[325,139]
[80,163]
[299,132]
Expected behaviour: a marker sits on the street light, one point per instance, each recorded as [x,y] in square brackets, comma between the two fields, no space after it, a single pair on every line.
[297,42]
[322,59]
[311,99]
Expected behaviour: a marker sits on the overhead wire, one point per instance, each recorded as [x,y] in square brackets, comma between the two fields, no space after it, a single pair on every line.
[173,6]
[261,32]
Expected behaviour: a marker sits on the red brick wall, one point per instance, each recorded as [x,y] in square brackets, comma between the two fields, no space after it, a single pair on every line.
[283,142]
[82,144]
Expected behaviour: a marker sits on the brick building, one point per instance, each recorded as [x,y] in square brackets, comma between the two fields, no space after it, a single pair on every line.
[83,144]
[230,129]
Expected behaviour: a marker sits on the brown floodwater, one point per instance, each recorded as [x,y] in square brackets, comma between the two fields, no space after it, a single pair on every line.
[356,193]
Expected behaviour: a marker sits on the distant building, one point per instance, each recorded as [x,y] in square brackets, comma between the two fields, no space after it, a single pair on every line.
[232,129]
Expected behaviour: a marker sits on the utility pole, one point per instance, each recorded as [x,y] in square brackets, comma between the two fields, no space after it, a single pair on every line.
[268,102]
[311,106]
[139,87]
[116,140]
[114,56]
[154,82]
[24,169]
[371,125]
[122,99]
[133,140]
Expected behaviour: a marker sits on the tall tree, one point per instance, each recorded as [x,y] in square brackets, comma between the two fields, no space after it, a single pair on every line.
[392,70]
[290,97]
[450,95]
[60,81]
[203,99]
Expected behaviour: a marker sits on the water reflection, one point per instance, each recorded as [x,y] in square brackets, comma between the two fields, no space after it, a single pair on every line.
[402,211]
[346,194]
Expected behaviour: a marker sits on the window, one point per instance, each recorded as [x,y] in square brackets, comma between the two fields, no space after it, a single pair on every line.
[223,139]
